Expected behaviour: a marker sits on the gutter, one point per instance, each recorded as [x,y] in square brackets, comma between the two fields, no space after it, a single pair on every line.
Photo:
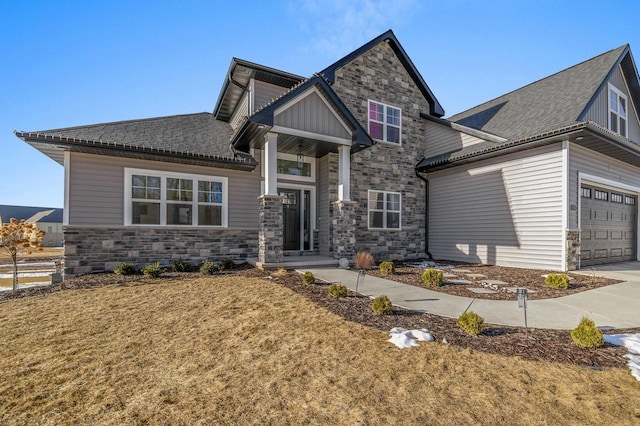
[426,214]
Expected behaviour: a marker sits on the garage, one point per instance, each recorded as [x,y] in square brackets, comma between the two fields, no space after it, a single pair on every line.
[608,223]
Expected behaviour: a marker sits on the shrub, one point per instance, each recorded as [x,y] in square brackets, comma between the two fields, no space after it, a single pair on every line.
[432,277]
[178,265]
[363,260]
[152,270]
[209,268]
[227,263]
[338,291]
[587,335]
[387,268]
[381,305]
[557,281]
[308,278]
[471,323]
[126,268]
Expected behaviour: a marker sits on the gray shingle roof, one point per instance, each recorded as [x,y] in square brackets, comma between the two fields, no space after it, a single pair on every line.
[50,214]
[553,102]
[192,134]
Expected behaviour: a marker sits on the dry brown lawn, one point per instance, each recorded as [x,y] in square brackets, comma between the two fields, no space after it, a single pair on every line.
[46,252]
[234,350]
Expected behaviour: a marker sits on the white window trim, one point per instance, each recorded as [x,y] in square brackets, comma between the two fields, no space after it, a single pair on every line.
[620,94]
[293,157]
[384,122]
[384,220]
[163,175]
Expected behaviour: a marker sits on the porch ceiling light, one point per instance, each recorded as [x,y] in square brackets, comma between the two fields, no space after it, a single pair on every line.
[300,157]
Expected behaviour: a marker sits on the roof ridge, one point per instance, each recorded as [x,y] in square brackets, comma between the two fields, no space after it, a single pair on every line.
[621,48]
[115,122]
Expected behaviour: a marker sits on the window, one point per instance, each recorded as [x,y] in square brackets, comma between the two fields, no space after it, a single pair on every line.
[290,167]
[385,122]
[384,210]
[287,167]
[616,198]
[174,199]
[586,192]
[617,111]
[631,201]
[601,195]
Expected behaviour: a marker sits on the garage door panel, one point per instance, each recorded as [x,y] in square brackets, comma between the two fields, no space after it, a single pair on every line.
[586,214]
[617,216]
[601,215]
[628,251]
[617,252]
[617,235]
[601,234]
[601,254]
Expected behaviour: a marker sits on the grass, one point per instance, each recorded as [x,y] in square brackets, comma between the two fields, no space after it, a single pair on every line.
[247,351]
[8,282]
[46,252]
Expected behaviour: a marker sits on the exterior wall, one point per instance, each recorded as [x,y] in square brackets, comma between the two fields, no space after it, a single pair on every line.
[442,139]
[311,114]
[506,210]
[96,189]
[378,75]
[263,93]
[327,194]
[242,110]
[599,111]
[53,236]
[97,249]
[583,160]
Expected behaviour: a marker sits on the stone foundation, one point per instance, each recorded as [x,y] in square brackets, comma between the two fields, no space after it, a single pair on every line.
[270,237]
[343,229]
[88,249]
[573,249]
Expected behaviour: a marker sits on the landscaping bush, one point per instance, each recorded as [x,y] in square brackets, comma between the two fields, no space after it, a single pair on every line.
[227,263]
[337,291]
[471,323]
[432,277]
[152,270]
[126,268]
[557,281]
[587,335]
[363,260]
[308,278]
[388,268]
[209,268]
[381,305]
[178,265]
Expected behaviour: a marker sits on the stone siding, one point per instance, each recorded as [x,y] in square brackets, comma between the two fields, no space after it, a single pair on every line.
[344,227]
[379,75]
[88,249]
[271,234]
[573,249]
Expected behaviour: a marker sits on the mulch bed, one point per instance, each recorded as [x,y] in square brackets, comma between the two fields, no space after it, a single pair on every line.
[516,277]
[547,345]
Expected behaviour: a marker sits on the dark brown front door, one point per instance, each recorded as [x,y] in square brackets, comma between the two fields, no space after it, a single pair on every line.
[291,218]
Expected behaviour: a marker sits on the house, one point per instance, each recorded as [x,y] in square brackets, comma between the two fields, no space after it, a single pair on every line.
[47,219]
[358,157]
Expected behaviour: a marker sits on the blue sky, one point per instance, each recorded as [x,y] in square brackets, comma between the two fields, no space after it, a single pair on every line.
[67,63]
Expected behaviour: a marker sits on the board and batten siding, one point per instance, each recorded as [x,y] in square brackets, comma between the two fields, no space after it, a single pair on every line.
[311,114]
[599,110]
[263,93]
[506,210]
[587,161]
[442,139]
[96,189]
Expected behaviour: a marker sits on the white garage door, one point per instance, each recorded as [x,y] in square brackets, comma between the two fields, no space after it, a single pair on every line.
[608,222]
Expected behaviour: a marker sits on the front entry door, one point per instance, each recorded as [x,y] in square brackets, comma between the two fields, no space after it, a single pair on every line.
[291,218]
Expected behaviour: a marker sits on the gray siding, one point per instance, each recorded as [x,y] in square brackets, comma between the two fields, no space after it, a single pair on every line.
[242,111]
[311,114]
[96,193]
[263,93]
[599,111]
[583,160]
[442,139]
[506,210]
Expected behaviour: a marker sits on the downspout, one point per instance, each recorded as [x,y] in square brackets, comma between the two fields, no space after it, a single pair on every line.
[426,214]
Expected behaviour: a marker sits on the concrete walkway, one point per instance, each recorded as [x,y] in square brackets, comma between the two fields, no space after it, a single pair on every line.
[614,306]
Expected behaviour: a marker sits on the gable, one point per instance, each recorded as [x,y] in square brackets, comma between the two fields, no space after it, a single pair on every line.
[309,112]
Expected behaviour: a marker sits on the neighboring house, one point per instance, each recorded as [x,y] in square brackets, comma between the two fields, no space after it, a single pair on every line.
[47,219]
[358,158]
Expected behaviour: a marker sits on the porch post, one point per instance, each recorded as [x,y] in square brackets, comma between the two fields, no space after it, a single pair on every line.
[344,177]
[270,164]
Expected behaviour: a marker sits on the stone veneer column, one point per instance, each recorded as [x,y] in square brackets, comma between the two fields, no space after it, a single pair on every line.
[573,249]
[271,229]
[343,229]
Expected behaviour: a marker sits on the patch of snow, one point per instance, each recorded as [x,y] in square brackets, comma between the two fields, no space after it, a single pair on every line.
[402,341]
[632,343]
[403,338]
[422,335]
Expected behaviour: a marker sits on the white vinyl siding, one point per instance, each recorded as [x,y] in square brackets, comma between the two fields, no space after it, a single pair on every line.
[507,210]
[96,190]
[442,139]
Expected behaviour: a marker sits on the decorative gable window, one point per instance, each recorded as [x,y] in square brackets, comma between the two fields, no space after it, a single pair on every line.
[384,210]
[617,111]
[174,199]
[385,122]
